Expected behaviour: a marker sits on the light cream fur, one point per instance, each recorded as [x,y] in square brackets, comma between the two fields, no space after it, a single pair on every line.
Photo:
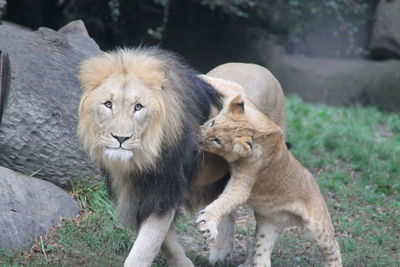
[266,175]
[149,240]
[126,77]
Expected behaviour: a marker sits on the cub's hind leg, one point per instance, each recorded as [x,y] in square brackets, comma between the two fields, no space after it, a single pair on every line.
[266,235]
[323,234]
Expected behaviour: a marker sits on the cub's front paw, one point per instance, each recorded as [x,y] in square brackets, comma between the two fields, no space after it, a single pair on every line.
[207,224]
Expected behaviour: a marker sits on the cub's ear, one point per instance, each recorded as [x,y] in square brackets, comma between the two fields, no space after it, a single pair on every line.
[236,105]
[272,136]
[243,146]
[269,128]
[275,130]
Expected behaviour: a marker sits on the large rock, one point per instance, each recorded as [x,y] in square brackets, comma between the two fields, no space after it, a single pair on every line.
[340,81]
[3,4]
[29,206]
[385,39]
[38,128]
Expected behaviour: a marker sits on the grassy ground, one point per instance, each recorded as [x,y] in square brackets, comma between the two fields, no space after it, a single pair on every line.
[355,156]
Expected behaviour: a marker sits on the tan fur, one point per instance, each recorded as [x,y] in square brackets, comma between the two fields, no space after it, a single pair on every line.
[262,89]
[266,175]
[259,88]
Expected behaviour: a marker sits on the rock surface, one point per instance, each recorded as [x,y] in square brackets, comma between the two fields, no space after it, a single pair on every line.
[385,38]
[38,128]
[340,81]
[28,207]
[3,4]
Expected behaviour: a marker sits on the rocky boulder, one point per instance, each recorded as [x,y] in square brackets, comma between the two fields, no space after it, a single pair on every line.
[385,39]
[3,4]
[340,81]
[29,206]
[39,119]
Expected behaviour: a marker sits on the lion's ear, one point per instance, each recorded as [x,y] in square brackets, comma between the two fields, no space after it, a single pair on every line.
[153,76]
[243,146]
[93,71]
[236,105]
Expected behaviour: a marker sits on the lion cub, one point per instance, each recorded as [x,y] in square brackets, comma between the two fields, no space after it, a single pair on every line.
[266,175]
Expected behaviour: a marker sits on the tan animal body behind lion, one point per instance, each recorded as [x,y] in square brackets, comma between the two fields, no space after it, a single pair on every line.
[259,86]
[266,175]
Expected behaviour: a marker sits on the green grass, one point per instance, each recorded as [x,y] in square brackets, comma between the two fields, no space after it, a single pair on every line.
[354,154]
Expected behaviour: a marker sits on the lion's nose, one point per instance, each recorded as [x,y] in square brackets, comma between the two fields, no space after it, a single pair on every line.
[121,139]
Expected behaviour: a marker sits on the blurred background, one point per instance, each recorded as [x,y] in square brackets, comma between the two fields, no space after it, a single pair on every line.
[304,43]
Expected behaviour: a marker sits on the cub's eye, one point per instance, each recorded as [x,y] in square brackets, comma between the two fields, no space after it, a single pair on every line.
[108,104]
[212,123]
[138,107]
[217,141]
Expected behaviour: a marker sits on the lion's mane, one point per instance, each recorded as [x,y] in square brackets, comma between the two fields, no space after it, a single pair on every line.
[155,180]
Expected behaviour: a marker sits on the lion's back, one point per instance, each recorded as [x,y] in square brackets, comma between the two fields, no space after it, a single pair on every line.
[262,88]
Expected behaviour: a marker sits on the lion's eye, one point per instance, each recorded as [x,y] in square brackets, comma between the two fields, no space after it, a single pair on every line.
[212,123]
[138,107]
[217,141]
[108,104]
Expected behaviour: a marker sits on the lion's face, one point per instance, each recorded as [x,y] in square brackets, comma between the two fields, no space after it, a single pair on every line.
[122,110]
[126,111]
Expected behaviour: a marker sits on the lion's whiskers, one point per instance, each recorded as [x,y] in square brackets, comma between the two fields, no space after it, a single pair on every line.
[94,146]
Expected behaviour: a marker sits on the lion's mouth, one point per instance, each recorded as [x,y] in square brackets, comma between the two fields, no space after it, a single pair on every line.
[118,153]
[118,148]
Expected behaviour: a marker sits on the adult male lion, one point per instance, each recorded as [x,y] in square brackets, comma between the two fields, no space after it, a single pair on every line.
[139,118]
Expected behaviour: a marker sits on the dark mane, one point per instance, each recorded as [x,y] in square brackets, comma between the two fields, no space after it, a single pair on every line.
[162,189]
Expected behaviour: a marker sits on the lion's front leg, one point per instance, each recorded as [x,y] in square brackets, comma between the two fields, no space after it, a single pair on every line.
[223,245]
[150,237]
[174,252]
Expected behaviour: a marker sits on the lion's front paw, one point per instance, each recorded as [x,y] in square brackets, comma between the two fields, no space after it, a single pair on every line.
[207,224]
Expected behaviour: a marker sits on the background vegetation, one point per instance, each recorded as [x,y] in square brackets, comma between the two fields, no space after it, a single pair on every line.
[353,153]
[191,27]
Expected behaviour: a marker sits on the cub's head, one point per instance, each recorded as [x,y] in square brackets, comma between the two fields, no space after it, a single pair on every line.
[232,135]
[127,110]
